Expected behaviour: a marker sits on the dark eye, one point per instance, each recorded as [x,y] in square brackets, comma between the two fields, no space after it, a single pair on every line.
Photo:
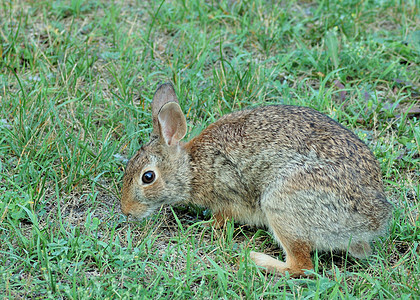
[148,177]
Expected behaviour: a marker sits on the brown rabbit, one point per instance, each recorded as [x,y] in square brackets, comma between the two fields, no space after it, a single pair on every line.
[299,173]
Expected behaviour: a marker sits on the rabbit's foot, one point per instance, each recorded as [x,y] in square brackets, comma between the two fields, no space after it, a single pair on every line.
[298,257]
[268,262]
[273,265]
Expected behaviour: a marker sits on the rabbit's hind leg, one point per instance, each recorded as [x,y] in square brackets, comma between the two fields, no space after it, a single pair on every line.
[298,258]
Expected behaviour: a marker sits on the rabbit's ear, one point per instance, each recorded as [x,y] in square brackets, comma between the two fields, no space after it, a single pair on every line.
[165,93]
[173,126]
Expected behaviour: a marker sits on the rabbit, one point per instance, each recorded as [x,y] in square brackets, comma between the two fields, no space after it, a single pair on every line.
[313,183]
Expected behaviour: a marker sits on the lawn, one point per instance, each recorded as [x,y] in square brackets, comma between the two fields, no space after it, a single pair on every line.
[76,82]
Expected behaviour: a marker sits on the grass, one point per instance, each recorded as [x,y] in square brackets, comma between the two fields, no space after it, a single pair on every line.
[76,81]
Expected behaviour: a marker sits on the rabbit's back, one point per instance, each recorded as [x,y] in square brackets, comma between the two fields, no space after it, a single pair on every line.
[290,150]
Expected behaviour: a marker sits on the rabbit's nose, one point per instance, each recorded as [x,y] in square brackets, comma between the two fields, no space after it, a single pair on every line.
[130,207]
[127,203]
[125,210]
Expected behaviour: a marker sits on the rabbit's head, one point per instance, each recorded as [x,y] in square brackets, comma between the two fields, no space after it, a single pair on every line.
[158,173]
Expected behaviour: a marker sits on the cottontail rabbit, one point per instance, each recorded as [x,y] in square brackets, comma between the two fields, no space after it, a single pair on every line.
[302,175]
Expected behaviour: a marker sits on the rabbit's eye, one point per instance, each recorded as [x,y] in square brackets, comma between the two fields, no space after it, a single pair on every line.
[148,177]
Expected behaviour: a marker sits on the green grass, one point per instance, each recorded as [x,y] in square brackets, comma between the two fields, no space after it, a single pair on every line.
[76,81]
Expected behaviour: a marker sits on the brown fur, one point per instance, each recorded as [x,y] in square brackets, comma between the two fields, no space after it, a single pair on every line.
[302,175]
